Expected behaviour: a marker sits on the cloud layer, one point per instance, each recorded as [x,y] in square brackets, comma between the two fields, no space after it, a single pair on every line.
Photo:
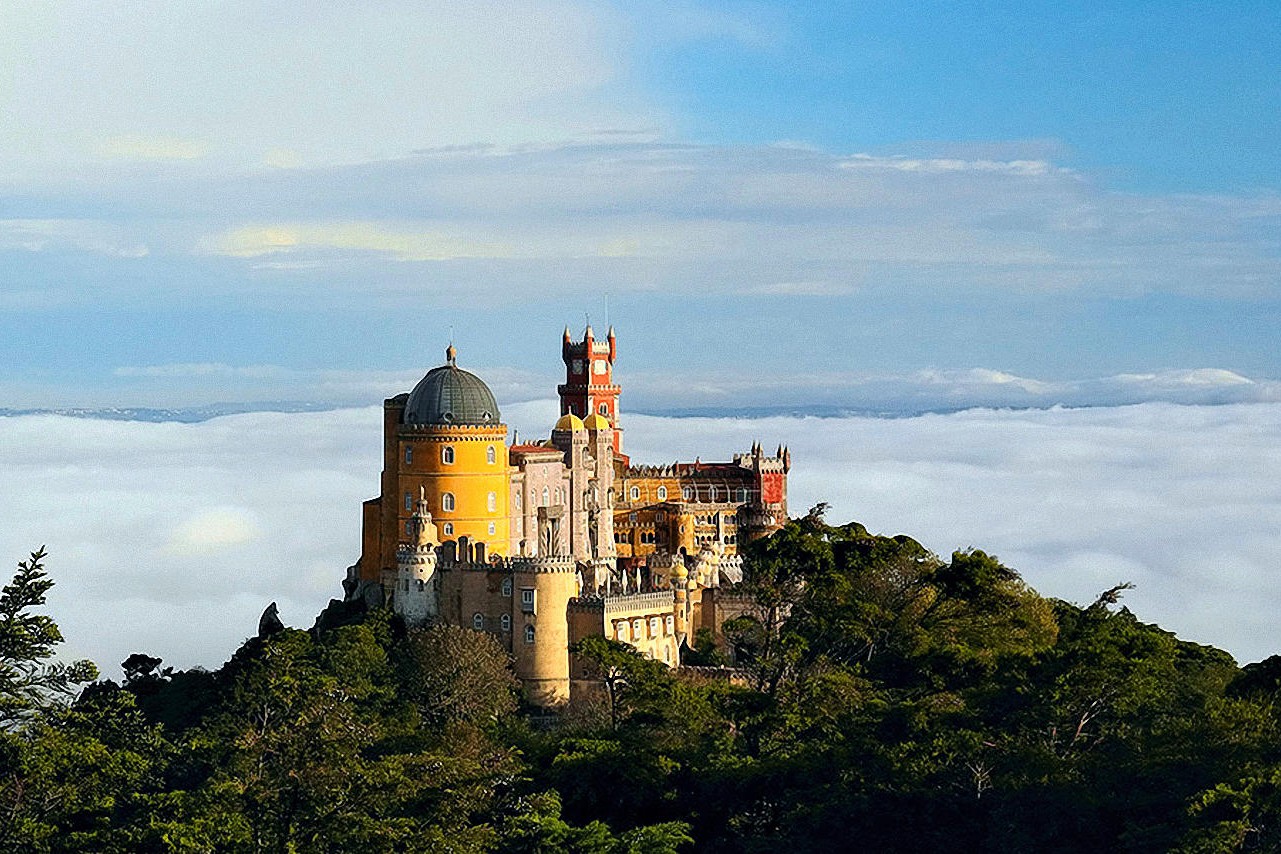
[171,538]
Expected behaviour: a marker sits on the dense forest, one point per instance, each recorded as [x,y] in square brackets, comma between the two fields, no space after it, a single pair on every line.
[885,699]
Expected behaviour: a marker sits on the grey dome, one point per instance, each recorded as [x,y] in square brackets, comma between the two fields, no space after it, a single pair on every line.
[450,395]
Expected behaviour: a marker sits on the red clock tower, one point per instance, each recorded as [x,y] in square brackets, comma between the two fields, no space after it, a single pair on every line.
[589,380]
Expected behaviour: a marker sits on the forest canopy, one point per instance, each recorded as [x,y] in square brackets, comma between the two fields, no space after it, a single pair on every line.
[882,698]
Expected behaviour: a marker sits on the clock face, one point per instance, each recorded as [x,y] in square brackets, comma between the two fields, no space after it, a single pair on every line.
[577,366]
[599,366]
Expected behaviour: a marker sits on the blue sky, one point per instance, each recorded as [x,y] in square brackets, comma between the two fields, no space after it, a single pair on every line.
[774,203]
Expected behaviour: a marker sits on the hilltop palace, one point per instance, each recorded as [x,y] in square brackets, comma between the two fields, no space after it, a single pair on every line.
[543,543]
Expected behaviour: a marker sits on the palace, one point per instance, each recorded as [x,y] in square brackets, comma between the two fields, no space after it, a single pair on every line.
[543,543]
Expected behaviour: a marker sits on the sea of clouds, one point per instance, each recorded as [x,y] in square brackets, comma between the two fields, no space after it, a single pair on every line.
[171,538]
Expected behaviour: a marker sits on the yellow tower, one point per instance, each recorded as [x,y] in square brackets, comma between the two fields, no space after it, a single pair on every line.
[446,441]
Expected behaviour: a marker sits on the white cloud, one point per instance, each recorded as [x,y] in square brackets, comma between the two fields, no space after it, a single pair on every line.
[154,148]
[213,530]
[773,223]
[171,539]
[81,235]
[246,81]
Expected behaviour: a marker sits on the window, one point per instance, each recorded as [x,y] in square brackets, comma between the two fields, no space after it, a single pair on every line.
[507,587]
[599,366]
[491,502]
[577,366]
[491,455]
[448,529]
[662,493]
[493,529]
[529,634]
[635,493]
[638,629]
[447,502]
[409,454]
[408,532]
[518,501]
[687,493]
[667,655]
[670,623]
[527,600]
[478,622]
[545,494]
[653,627]
[447,455]
[505,622]
[711,493]
[603,409]
[742,496]
[409,501]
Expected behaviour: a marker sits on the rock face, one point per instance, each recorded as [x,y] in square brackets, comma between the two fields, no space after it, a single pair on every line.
[269,623]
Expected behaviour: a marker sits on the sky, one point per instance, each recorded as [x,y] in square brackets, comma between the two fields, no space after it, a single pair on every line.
[242,202]
[1045,237]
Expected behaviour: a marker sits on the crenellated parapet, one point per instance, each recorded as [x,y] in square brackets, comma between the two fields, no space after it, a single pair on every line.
[659,600]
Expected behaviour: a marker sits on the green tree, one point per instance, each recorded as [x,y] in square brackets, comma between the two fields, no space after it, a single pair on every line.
[455,675]
[30,681]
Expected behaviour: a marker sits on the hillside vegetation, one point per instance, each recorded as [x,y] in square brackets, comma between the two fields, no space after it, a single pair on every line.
[890,700]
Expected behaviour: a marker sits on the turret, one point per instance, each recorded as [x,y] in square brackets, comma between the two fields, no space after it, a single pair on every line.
[416,598]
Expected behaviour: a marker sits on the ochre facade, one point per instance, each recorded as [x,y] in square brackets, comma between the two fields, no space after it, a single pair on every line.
[543,543]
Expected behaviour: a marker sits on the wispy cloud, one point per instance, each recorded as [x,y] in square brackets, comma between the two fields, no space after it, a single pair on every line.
[77,235]
[153,148]
[775,223]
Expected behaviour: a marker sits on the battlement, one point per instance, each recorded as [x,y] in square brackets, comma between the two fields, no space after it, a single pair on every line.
[660,600]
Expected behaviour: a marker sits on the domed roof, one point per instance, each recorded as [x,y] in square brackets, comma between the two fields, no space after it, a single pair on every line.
[450,395]
[569,421]
[596,421]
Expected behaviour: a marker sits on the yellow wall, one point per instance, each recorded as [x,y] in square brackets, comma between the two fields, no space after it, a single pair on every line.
[471,478]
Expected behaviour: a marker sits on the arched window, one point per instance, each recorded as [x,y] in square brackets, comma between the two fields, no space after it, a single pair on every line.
[478,622]
[635,493]
[638,629]
[687,493]
[447,455]
[604,409]
[545,495]
[409,454]
[505,622]
[711,493]
[491,502]
[662,493]
[447,502]
[742,496]
[491,455]
[448,529]
[507,587]
[529,634]
[493,528]
[409,501]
